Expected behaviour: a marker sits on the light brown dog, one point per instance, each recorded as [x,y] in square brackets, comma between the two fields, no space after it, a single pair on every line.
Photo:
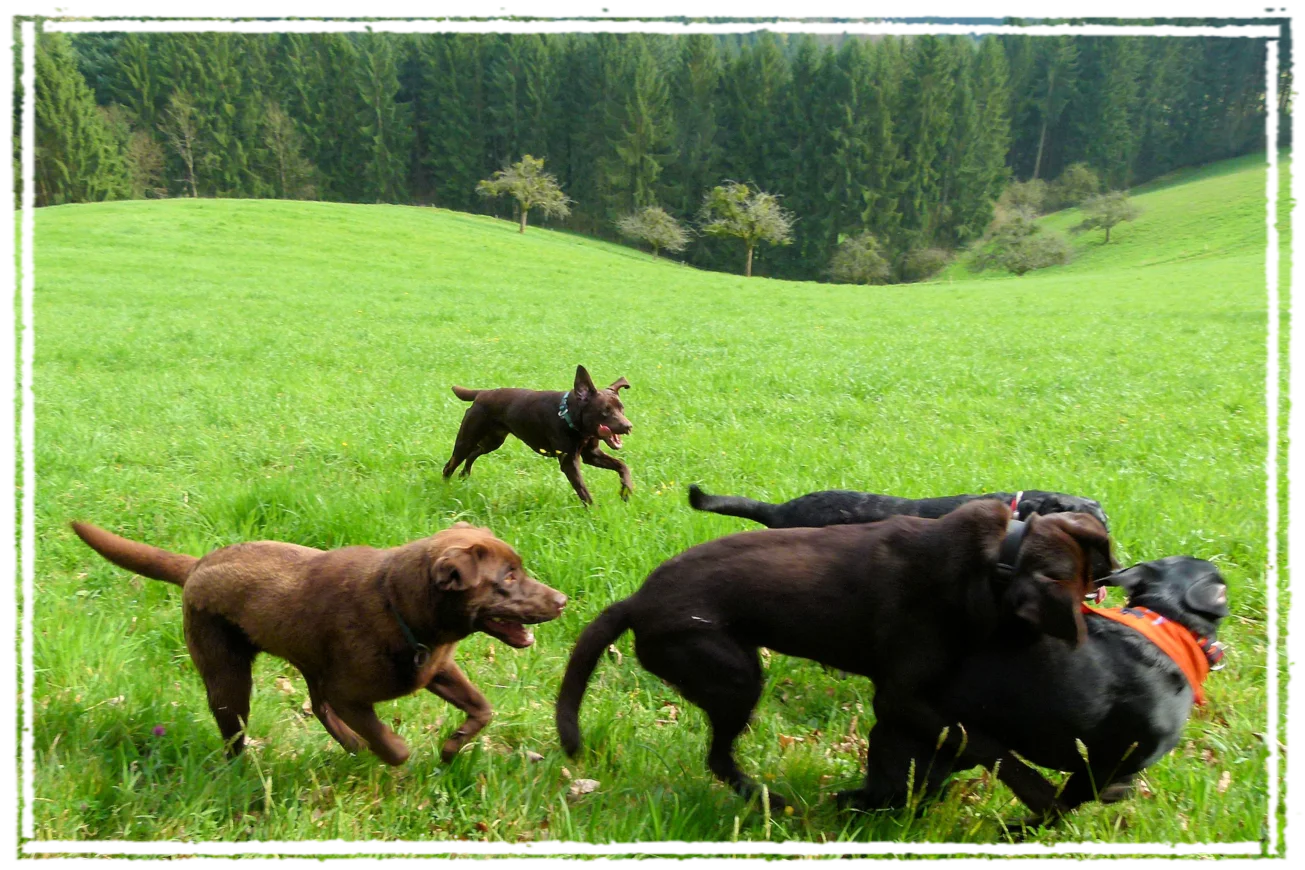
[362,625]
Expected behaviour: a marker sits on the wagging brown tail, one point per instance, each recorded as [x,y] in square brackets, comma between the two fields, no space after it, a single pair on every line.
[466,395]
[141,559]
[733,506]
[610,624]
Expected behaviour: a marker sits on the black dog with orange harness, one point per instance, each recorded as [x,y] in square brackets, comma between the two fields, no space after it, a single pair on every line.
[1103,711]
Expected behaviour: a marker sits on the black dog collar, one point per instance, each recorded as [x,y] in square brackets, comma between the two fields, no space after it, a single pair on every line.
[420,652]
[1008,557]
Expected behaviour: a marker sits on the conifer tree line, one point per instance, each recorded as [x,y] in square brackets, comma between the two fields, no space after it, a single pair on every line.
[908,139]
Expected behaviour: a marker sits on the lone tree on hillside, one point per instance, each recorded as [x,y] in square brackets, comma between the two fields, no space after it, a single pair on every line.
[653,225]
[859,259]
[735,210]
[1105,211]
[532,187]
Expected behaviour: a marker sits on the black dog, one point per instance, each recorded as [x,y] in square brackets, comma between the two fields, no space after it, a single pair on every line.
[838,506]
[899,601]
[1119,693]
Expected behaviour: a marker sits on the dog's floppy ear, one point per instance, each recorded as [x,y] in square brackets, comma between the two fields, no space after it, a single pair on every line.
[619,384]
[1049,607]
[454,570]
[1088,532]
[1208,596]
[1128,578]
[584,385]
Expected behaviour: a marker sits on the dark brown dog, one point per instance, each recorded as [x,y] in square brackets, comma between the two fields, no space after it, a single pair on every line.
[570,426]
[362,625]
[898,601]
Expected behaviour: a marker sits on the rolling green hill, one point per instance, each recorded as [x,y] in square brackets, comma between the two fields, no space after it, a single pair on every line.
[215,371]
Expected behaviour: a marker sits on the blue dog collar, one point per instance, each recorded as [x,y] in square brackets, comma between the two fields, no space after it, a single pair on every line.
[564,412]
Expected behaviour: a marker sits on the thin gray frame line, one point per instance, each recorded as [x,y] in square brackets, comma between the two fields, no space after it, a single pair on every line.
[508,848]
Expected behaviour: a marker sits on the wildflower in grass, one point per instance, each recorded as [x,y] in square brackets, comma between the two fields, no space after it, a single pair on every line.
[159,731]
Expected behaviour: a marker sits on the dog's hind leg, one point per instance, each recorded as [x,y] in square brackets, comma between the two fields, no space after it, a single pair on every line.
[451,684]
[470,434]
[388,746]
[491,442]
[343,734]
[724,678]
[224,657]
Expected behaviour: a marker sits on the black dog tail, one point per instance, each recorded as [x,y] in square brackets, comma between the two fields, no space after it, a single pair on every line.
[734,506]
[610,624]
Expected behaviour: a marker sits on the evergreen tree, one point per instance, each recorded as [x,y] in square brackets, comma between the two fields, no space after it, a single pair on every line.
[925,130]
[694,100]
[1055,86]
[753,91]
[450,130]
[641,138]
[382,121]
[77,157]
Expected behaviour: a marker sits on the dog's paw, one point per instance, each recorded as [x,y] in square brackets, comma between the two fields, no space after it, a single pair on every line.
[778,803]
[450,749]
[625,492]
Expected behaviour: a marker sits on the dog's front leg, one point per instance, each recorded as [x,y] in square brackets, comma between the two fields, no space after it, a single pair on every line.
[453,686]
[599,459]
[342,733]
[387,745]
[571,468]
[975,747]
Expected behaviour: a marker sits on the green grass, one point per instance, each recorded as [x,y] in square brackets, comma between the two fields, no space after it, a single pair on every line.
[216,371]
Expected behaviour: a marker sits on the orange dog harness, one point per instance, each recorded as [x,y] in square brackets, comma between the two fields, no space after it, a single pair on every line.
[1195,656]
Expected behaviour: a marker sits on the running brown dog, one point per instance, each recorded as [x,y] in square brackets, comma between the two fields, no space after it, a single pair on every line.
[362,625]
[570,426]
[898,601]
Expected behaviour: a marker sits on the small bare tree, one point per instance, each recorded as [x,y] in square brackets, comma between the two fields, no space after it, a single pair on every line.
[1106,210]
[653,225]
[181,128]
[294,172]
[532,187]
[859,259]
[734,210]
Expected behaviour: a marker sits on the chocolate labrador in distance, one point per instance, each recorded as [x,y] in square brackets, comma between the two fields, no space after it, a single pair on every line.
[569,426]
[837,506]
[362,625]
[1103,711]
[898,601]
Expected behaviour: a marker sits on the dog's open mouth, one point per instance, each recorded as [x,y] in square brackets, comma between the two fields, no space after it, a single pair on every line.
[613,440]
[511,633]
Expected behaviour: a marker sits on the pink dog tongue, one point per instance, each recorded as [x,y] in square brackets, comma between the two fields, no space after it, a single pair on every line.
[604,432]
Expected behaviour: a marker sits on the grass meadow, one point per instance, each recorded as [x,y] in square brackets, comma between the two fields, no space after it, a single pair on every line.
[210,372]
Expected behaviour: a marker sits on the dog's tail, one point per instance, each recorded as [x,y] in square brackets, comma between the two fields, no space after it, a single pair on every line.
[734,506]
[466,395]
[142,559]
[609,625]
